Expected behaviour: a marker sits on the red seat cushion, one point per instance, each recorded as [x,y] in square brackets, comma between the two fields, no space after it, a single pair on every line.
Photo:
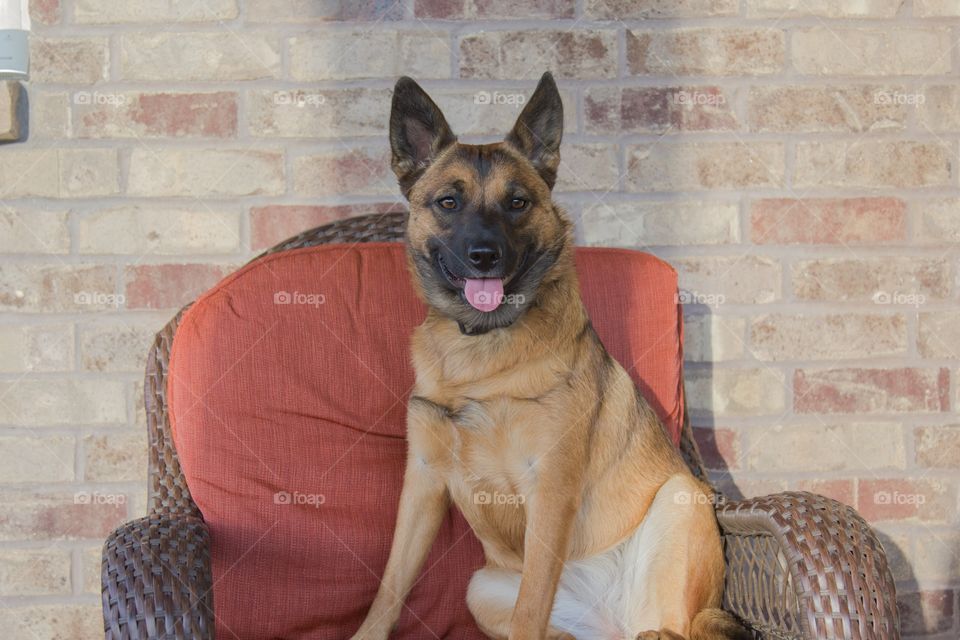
[287,390]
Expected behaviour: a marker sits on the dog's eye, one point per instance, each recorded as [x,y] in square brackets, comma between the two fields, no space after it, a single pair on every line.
[518,203]
[447,203]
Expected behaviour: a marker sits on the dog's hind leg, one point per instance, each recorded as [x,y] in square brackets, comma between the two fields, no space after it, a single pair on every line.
[492,595]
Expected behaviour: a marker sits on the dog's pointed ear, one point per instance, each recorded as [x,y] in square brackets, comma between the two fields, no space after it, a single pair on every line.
[418,132]
[539,129]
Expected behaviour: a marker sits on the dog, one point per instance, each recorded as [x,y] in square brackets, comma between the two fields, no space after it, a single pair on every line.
[604,532]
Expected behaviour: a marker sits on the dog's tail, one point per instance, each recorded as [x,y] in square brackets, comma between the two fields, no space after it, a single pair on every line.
[717,624]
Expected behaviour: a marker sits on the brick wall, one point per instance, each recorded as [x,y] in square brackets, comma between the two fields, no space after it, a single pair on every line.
[795,160]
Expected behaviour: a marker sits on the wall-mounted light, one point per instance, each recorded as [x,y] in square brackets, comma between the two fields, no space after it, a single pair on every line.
[14,44]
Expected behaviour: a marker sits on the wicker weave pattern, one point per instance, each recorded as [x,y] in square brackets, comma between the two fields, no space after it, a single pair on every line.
[798,565]
[155,579]
[820,550]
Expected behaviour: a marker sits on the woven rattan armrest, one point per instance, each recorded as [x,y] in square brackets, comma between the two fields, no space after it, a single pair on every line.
[800,565]
[156,580]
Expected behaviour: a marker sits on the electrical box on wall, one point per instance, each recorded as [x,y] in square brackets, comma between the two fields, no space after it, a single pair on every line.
[14,41]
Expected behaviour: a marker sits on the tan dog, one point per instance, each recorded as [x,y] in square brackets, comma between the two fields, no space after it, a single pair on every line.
[592,525]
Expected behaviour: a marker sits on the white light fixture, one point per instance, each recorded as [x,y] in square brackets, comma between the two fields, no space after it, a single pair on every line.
[14,44]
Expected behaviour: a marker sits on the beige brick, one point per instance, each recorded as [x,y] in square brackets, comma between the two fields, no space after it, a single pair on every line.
[36,459]
[937,221]
[844,221]
[91,561]
[28,173]
[116,346]
[889,281]
[52,621]
[120,457]
[938,447]
[87,173]
[939,108]
[305,113]
[823,8]
[830,337]
[525,54]
[935,558]
[819,447]
[588,167]
[736,392]
[220,57]
[715,281]
[345,55]
[49,114]
[613,110]
[936,8]
[626,9]
[697,166]
[25,230]
[9,104]
[357,170]
[134,114]
[60,402]
[713,338]
[311,11]
[939,334]
[831,108]
[68,60]
[873,163]
[38,347]
[634,224]
[57,288]
[705,51]
[34,572]
[146,230]
[883,51]
[205,173]
[173,11]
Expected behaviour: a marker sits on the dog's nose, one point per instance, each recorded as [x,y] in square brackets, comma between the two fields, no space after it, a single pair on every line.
[484,255]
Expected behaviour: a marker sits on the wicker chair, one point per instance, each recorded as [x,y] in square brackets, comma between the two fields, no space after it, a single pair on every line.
[799,565]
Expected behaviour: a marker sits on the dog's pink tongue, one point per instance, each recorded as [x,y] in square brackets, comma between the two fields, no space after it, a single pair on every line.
[484,294]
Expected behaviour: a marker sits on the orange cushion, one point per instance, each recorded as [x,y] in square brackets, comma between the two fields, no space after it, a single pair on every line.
[287,390]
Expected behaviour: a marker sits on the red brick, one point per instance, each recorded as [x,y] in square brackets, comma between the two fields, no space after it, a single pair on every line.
[893,499]
[169,286]
[871,390]
[840,490]
[655,109]
[155,115]
[828,221]
[45,12]
[275,223]
[926,612]
[492,9]
[46,516]
[719,447]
